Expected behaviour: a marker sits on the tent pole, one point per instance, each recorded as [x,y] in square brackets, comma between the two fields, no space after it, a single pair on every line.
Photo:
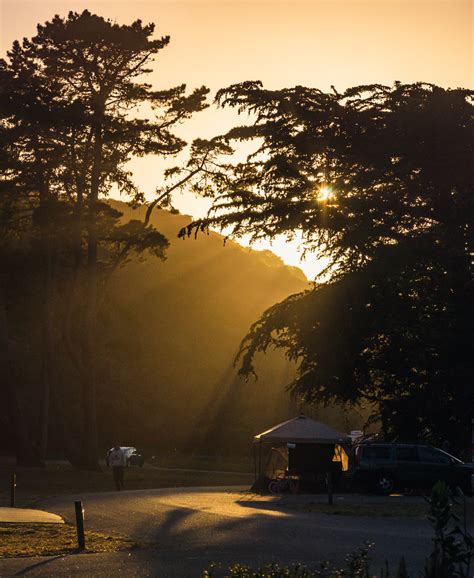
[255,462]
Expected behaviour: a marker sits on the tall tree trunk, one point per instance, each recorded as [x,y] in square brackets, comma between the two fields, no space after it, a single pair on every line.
[72,449]
[47,322]
[89,448]
[47,344]
[462,360]
[460,363]
[24,451]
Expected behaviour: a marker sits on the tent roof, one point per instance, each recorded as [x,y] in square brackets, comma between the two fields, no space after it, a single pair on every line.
[301,429]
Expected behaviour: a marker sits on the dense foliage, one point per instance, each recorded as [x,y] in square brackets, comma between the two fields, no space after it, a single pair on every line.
[71,114]
[378,180]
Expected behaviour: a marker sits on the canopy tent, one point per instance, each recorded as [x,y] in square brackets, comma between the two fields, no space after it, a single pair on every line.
[302,444]
[302,429]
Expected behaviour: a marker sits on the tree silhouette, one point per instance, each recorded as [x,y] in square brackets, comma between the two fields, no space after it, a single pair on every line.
[379,180]
[83,79]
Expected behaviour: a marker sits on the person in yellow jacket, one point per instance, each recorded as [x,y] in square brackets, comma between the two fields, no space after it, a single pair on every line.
[116,460]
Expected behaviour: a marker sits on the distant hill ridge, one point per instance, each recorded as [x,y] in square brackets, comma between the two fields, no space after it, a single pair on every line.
[170,224]
[176,328]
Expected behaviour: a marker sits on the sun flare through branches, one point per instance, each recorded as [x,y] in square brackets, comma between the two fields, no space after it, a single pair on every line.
[324,194]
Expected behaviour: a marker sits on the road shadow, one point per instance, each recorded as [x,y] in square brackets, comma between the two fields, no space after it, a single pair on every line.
[245,527]
[37,565]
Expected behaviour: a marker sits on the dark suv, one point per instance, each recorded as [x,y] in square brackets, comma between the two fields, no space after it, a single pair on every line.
[384,467]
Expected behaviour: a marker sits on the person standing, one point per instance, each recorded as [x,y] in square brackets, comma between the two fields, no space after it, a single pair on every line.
[116,460]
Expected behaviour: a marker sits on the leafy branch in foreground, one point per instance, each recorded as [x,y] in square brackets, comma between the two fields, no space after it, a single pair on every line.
[453,546]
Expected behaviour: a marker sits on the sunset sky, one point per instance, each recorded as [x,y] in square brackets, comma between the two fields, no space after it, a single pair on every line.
[312,43]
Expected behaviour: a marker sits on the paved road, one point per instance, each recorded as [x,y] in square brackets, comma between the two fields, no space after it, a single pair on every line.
[186,529]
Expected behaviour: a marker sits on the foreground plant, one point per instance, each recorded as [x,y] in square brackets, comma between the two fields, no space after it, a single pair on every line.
[356,567]
[453,546]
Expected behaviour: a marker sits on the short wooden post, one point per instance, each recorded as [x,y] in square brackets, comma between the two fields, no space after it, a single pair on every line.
[12,490]
[329,486]
[81,539]
[255,464]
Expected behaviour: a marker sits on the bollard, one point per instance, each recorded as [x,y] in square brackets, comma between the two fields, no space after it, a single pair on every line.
[81,539]
[12,490]
[329,485]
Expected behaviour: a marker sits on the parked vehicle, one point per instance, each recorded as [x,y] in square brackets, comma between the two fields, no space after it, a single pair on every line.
[132,457]
[384,467]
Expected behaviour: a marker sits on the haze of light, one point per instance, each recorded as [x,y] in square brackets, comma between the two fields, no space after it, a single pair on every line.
[282,43]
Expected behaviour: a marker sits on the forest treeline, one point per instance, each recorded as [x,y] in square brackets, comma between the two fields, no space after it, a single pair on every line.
[69,125]
[376,179]
[101,340]
[168,332]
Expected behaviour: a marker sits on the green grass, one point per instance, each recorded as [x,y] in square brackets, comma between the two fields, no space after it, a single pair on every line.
[384,510]
[56,479]
[390,509]
[18,540]
[59,478]
[242,464]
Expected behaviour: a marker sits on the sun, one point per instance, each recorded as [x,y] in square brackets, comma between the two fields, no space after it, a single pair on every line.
[325,193]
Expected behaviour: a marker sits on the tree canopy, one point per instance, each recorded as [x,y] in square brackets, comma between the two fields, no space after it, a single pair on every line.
[379,180]
[74,110]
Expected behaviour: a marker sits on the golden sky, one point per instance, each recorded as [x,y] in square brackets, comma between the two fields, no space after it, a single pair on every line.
[282,43]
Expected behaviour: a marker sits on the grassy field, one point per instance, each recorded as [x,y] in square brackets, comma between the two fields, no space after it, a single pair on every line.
[242,464]
[20,540]
[386,510]
[59,478]
[353,505]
